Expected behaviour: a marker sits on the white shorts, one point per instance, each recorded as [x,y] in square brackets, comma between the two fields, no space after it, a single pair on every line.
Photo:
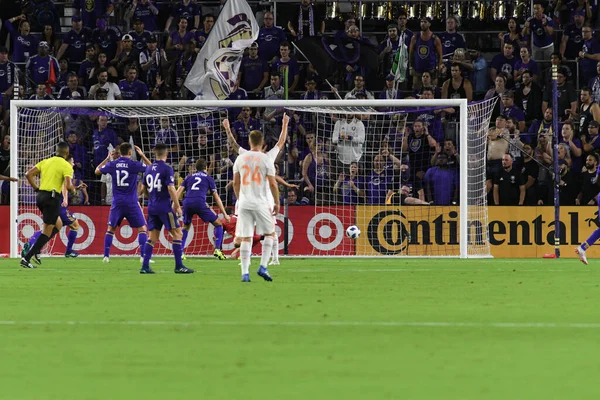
[247,219]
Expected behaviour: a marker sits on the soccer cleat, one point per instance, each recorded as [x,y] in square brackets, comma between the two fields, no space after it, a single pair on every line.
[24,250]
[219,254]
[106,260]
[142,260]
[263,273]
[273,262]
[147,270]
[27,264]
[37,259]
[184,270]
[581,253]
[246,278]
[71,254]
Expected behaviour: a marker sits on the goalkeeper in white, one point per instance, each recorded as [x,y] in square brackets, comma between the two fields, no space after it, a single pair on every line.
[253,177]
[273,153]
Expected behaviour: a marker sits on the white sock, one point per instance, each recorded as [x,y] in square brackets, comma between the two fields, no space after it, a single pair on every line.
[267,246]
[275,248]
[245,250]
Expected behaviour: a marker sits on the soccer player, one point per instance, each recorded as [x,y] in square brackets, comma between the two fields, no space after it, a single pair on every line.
[253,176]
[124,173]
[196,186]
[66,218]
[229,226]
[273,153]
[159,181]
[580,250]
[54,173]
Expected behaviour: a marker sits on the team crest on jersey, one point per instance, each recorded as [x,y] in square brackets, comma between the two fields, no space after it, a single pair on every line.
[423,51]
[513,179]
[41,70]
[577,39]
[2,72]
[507,69]
[415,144]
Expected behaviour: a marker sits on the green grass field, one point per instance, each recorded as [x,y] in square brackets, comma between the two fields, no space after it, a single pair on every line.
[325,329]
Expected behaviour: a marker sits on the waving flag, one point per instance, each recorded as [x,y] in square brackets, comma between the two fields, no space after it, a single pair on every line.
[215,71]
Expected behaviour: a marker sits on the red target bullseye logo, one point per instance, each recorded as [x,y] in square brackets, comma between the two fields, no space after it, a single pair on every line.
[27,225]
[87,231]
[325,231]
[126,238]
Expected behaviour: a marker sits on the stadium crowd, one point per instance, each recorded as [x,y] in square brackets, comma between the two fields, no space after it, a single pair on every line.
[141,50]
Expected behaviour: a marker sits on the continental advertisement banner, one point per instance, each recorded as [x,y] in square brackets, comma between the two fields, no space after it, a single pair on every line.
[514,232]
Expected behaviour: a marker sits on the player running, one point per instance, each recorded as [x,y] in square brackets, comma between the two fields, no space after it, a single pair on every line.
[124,172]
[66,218]
[253,176]
[159,181]
[196,186]
[272,154]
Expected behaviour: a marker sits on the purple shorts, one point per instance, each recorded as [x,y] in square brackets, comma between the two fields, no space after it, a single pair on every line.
[205,214]
[66,217]
[168,219]
[132,212]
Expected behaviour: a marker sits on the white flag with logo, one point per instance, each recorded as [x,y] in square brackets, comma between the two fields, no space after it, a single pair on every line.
[215,71]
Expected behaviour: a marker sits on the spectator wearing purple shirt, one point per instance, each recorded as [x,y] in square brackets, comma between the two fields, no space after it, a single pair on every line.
[75,42]
[151,60]
[201,35]
[505,63]
[284,62]
[270,38]
[63,74]
[351,188]
[591,143]
[525,64]
[91,11]
[440,183]
[451,40]
[589,56]
[79,155]
[378,182]
[102,138]
[168,136]
[188,10]
[242,128]
[572,39]
[237,94]
[541,28]
[575,146]
[72,90]
[254,72]
[132,88]
[512,111]
[38,67]
[24,44]
[87,65]
[106,39]
[139,36]
[143,12]
[177,39]
[513,35]
[8,71]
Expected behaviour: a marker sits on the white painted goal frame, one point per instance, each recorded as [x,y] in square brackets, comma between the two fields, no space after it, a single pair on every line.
[171,106]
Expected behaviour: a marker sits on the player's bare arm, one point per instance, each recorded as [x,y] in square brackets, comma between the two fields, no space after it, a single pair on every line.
[102,164]
[65,195]
[275,192]
[180,190]
[220,205]
[69,184]
[8,178]
[143,156]
[230,137]
[30,175]
[284,131]
[175,200]
[282,181]
[236,184]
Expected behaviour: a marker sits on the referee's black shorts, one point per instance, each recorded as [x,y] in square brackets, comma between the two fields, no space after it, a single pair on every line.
[49,206]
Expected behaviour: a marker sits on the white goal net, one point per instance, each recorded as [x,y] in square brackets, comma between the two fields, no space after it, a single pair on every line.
[409,174]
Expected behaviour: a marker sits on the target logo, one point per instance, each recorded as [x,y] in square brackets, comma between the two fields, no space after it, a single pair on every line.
[325,231]
[279,230]
[167,242]
[87,229]
[125,238]
[28,224]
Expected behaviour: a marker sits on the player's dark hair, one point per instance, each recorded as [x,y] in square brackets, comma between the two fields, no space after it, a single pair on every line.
[125,148]
[160,149]
[69,157]
[62,149]
[201,164]
[256,138]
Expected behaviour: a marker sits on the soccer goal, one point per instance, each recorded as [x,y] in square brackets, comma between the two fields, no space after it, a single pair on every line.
[409,173]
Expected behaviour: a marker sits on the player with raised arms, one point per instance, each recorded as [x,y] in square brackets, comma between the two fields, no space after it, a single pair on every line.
[66,218]
[272,154]
[196,186]
[124,172]
[253,176]
[54,173]
[159,182]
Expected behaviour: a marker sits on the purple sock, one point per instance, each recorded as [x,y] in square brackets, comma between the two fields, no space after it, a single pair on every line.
[108,238]
[71,239]
[148,253]
[184,239]
[142,237]
[591,240]
[33,238]
[177,251]
[219,236]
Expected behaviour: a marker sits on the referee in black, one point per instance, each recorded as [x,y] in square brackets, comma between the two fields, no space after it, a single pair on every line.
[54,172]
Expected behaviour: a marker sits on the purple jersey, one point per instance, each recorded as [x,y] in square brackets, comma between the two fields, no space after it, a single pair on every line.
[77,43]
[101,141]
[144,13]
[253,71]
[135,90]
[269,40]
[588,65]
[157,179]
[24,46]
[242,131]
[575,41]
[377,186]
[91,10]
[502,64]
[124,172]
[7,75]
[451,42]
[38,69]
[188,12]
[84,72]
[425,56]
[541,38]
[196,187]
[292,67]
[350,196]
[441,182]
[140,39]
[107,41]
[531,66]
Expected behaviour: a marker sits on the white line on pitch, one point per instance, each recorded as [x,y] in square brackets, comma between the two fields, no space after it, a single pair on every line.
[400,324]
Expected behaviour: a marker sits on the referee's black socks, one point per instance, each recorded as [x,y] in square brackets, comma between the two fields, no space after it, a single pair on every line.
[54,232]
[37,246]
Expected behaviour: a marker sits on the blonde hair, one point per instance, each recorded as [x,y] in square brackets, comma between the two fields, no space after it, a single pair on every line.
[256,138]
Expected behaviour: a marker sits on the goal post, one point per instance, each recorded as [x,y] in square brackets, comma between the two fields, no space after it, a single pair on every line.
[36,126]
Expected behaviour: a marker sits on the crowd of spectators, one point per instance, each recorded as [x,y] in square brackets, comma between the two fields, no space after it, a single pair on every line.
[144,50]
